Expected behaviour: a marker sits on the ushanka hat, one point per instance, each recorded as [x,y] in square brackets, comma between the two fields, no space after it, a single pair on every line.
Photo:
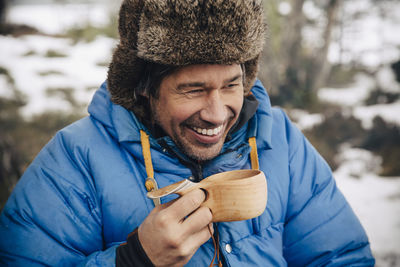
[184,32]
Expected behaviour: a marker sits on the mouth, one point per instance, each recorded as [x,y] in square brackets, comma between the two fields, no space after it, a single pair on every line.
[208,131]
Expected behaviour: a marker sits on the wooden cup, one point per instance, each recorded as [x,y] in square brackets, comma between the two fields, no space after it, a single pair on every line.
[231,196]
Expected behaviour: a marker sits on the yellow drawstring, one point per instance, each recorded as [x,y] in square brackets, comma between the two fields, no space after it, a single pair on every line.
[253,153]
[151,183]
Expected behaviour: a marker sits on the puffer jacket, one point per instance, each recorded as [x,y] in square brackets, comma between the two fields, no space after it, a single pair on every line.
[84,193]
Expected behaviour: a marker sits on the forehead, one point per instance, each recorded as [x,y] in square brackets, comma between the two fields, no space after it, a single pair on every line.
[209,74]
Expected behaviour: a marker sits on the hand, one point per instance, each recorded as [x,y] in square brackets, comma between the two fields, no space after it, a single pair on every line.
[173,232]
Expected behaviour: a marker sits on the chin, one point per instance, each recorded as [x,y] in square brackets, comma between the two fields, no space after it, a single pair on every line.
[199,151]
[203,154]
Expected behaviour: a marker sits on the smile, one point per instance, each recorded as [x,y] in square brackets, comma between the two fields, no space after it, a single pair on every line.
[209,132]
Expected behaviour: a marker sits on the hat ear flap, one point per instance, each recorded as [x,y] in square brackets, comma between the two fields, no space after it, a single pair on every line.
[126,68]
[251,69]
[124,73]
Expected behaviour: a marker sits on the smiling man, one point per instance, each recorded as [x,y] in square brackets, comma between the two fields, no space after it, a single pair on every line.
[181,102]
[198,105]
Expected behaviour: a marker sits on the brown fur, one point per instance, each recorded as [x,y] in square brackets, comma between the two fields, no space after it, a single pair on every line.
[184,32]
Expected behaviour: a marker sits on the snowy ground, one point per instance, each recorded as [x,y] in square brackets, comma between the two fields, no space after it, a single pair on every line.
[81,66]
[376,200]
[34,74]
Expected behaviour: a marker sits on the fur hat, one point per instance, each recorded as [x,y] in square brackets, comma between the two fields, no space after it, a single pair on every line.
[184,32]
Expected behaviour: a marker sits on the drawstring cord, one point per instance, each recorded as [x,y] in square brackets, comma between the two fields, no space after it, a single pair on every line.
[216,249]
[151,183]
[253,153]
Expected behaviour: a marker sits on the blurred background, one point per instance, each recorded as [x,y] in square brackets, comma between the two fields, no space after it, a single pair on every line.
[333,65]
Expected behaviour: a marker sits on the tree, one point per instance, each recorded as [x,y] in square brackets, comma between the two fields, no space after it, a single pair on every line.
[3,6]
[291,70]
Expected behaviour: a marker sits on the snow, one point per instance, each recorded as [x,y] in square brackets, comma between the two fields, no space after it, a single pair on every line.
[54,19]
[352,95]
[377,203]
[389,112]
[77,70]
[305,120]
[357,162]
[374,199]
[284,8]
[34,73]
[386,80]
[370,39]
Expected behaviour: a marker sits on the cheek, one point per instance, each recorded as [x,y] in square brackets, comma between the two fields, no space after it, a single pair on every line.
[237,103]
[181,111]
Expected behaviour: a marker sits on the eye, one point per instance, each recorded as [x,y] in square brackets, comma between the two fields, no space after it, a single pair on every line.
[195,91]
[232,85]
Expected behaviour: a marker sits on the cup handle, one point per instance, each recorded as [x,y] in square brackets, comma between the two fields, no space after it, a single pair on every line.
[179,188]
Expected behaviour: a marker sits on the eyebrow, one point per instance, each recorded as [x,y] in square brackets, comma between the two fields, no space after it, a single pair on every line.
[182,86]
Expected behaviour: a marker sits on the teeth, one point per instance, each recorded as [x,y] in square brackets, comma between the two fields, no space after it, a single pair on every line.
[208,132]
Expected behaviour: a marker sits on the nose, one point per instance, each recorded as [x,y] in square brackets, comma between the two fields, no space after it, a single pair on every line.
[214,110]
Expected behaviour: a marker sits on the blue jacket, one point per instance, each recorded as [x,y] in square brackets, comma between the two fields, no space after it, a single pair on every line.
[84,193]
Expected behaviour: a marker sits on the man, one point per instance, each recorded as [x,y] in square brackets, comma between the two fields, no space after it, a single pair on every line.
[180,102]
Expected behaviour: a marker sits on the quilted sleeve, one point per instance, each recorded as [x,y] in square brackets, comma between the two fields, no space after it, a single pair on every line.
[52,217]
[321,229]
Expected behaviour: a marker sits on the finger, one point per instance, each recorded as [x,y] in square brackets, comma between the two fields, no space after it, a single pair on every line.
[199,219]
[190,245]
[161,207]
[188,203]
[198,239]
[167,204]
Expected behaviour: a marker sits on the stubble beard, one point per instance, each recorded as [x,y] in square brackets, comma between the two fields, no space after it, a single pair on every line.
[199,151]
[192,148]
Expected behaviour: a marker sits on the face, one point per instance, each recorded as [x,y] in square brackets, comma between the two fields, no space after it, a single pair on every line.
[197,106]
